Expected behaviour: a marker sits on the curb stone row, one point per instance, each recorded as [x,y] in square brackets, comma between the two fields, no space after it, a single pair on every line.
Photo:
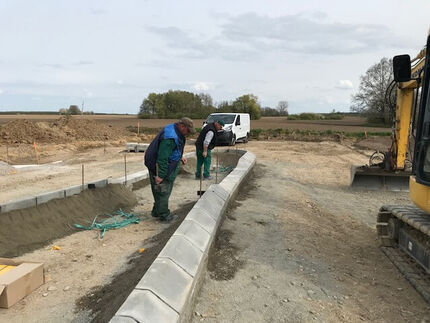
[166,291]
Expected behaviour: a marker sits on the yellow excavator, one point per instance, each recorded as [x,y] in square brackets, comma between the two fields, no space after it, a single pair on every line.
[391,170]
[404,230]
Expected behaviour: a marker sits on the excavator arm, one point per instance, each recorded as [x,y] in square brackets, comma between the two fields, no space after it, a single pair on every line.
[393,173]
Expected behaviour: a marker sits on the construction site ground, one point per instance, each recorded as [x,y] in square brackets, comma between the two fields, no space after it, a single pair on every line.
[313,254]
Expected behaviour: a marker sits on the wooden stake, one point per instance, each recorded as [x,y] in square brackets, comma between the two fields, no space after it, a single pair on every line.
[125,168]
[83,180]
[7,152]
[138,128]
[35,151]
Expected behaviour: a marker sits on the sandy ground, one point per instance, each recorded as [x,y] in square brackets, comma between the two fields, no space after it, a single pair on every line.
[85,262]
[313,255]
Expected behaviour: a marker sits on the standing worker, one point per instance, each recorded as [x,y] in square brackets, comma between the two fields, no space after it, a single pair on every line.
[204,144]
[162,160]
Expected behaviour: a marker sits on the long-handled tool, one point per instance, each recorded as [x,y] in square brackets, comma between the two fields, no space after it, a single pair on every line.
[200,192]
[216,171]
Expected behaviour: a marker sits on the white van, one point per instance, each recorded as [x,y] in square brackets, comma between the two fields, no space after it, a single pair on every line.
[237,127]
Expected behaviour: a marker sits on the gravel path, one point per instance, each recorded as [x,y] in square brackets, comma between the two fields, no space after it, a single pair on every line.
[300,246]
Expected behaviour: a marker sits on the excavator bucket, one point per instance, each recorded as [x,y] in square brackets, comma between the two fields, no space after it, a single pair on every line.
[375,178]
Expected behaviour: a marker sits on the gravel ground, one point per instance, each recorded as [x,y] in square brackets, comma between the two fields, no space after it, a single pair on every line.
[313,255]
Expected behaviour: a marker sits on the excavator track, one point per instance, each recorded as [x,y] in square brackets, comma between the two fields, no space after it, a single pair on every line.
[404,234]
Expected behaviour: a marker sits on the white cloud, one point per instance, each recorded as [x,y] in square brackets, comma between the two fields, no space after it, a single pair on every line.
[201,86]
[344,84]
[1,91]
[119,82]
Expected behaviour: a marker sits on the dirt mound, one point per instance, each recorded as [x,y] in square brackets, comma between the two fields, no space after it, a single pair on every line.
[62,130]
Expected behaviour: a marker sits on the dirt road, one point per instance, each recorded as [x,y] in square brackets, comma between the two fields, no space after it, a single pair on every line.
[313,255]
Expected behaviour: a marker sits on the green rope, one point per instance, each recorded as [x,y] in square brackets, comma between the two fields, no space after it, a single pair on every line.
[226,169]
[119,220]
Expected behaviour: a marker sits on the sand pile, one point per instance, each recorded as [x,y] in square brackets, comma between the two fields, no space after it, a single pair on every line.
[65,129]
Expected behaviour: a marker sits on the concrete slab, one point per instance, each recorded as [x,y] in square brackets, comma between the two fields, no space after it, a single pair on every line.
[122,319]
[212,203]
[183,253]
[99,183]
[168,281]
[144,306]
[19,204]
[43,198]
[202,217]
[194,233]
[73,190]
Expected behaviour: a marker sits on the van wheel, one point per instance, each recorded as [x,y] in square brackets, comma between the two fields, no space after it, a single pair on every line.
[233,140]
[246,138]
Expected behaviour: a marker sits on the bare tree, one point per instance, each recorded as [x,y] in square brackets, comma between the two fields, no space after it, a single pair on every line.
[283,108]
[372,98]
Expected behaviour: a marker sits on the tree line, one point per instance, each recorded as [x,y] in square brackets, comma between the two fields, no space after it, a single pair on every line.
[176,104]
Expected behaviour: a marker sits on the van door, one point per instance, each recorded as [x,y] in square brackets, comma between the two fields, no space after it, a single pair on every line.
[237,127]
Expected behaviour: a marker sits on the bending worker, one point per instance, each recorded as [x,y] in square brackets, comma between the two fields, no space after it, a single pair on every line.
[204,144]
[162,158]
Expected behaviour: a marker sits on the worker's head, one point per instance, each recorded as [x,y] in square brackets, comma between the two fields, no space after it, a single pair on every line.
[219,124]
[185,126]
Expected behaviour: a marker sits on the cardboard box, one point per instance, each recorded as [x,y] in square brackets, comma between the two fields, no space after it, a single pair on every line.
[19,282]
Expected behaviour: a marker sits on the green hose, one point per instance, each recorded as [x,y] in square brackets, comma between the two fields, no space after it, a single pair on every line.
[119,220]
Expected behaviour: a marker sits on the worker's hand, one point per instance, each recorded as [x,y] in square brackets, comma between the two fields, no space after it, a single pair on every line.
[158,180]
[183,160]
[205,153]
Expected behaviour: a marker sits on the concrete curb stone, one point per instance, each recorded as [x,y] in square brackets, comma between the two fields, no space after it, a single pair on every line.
[46,197]
[123,319]
[144,306]
[18,204]
[183,253]
[202,217]
[194,233]
[72,190]
[168,281]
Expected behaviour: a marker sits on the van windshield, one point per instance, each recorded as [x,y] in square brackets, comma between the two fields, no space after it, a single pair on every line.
[227,118]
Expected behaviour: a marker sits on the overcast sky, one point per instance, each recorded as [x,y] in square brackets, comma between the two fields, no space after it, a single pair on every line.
[111,54]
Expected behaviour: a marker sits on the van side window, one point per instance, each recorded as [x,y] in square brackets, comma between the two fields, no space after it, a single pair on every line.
[238,121]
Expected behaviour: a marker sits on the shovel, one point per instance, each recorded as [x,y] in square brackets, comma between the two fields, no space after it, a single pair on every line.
[200,193]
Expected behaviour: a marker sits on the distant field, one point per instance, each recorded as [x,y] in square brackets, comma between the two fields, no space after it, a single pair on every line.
[348,124]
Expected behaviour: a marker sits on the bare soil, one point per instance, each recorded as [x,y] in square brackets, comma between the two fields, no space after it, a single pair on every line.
[29,229]
[89,278]
[349,123]
[314,254]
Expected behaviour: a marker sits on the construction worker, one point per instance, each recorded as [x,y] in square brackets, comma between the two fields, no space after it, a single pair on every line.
[162,158]
[204,144]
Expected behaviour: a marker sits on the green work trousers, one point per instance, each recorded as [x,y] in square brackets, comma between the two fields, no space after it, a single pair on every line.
[161,194]
[206,161]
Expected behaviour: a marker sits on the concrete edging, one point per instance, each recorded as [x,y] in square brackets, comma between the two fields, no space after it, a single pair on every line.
[73,190]
[167,290]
